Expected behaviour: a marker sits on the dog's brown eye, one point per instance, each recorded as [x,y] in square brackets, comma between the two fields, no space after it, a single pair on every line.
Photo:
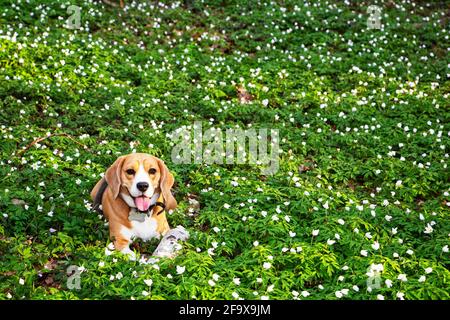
[130,171]
[152,171]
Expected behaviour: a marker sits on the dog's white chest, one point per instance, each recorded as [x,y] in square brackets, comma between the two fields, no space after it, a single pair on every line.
[145,230]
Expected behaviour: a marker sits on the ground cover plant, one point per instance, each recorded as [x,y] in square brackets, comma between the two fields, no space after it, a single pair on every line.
[358,209]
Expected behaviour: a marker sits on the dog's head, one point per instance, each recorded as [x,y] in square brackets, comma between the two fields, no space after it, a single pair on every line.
[137,177]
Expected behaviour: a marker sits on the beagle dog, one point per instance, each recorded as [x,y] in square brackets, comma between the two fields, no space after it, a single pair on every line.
[133,194]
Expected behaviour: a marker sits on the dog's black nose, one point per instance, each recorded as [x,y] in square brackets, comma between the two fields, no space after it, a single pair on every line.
[142,186]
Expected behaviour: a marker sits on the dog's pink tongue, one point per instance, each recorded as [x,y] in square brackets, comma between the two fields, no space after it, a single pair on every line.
[142,203]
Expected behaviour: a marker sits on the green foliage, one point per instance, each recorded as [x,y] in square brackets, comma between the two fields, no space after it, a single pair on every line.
[364,131]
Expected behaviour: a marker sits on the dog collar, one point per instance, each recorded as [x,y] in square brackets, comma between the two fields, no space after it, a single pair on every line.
[155,201]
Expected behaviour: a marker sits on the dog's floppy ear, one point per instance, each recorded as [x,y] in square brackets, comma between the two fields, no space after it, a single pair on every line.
[112,176]
[165,183]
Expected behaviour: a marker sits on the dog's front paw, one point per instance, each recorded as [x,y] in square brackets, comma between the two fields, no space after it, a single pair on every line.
[180,233]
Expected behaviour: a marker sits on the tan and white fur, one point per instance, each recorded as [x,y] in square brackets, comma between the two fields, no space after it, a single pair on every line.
[132,181]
